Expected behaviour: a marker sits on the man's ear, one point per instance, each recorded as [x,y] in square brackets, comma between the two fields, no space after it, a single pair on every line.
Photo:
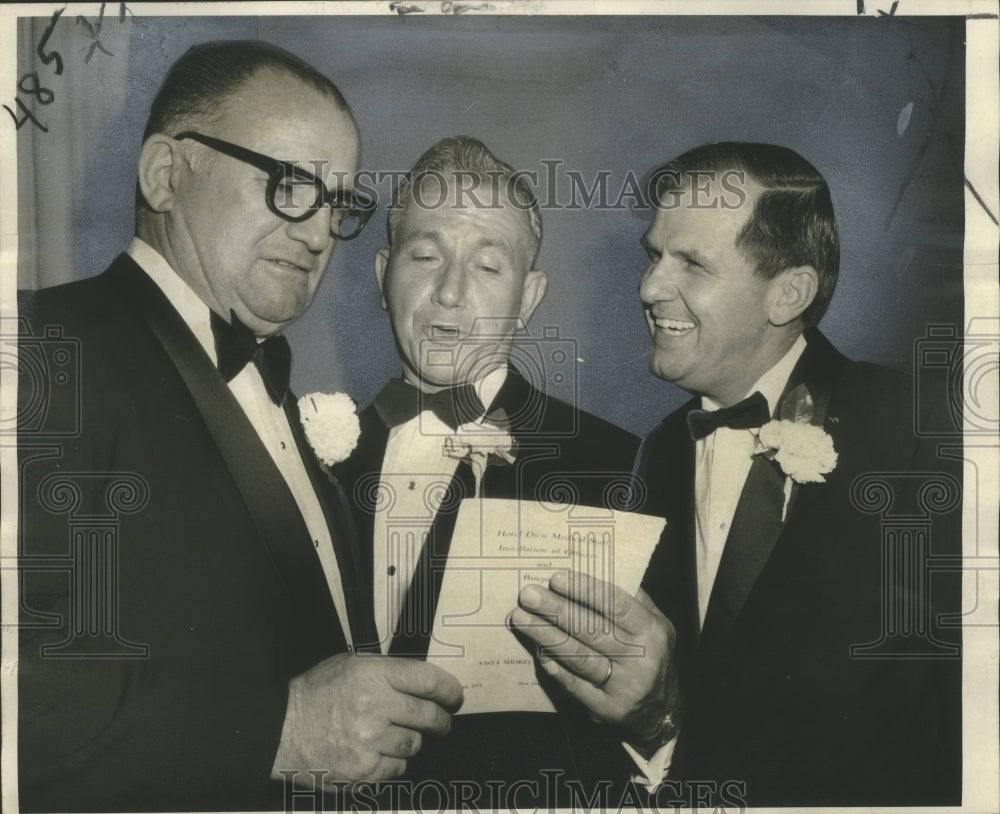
[381,264]
[795,289]
[159,164]
[535,285]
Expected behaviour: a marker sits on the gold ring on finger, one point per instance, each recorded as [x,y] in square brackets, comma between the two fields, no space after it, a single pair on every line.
[603,682]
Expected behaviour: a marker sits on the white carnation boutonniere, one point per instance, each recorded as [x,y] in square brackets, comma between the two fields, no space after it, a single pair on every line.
[804,451]
[483,444]
[331,425]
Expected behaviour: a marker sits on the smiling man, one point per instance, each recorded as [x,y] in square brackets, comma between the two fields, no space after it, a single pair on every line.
[197,645]
[798,655]
[716,324]
[459,283]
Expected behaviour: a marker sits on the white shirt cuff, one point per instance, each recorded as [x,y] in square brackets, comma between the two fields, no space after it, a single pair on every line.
[652,772]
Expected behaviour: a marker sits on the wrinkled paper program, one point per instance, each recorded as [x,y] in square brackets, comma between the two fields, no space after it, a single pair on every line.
[499,546]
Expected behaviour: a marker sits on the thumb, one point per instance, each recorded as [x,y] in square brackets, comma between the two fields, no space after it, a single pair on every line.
[645,601]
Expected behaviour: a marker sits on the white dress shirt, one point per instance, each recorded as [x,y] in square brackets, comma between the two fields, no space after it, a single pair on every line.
[266,417]
[416,472]
[722,464]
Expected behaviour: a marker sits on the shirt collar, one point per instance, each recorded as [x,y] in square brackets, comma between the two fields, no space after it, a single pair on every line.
[182,297]
[489,386]
[486,388]
[772,384]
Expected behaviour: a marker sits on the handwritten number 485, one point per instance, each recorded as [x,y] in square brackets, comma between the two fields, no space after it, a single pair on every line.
[45,95]
[30,85]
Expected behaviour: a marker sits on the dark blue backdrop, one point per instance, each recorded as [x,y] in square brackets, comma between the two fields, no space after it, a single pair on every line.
[614,94]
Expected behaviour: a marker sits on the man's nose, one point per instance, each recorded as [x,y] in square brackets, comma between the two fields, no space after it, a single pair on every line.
[314,231]
[659,282]
[451,284]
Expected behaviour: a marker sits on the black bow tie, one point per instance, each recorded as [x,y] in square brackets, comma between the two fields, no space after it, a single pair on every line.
[400,401]
[236,345]
[751,412]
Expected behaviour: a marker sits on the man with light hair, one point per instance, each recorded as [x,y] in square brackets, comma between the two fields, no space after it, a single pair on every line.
[459,283]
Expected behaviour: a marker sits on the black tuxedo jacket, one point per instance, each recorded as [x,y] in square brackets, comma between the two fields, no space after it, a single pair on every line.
[822,674]
[170,588]
[563,453]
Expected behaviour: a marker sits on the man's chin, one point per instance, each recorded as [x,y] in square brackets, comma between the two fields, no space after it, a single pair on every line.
[459,367]
[439,377]
[431,379]
[433,385]
[270,319]
[664,370]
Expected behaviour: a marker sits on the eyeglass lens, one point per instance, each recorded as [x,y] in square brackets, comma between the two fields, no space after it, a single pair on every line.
[297,198]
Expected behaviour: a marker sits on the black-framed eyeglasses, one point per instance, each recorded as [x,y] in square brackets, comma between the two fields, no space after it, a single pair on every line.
[295,194]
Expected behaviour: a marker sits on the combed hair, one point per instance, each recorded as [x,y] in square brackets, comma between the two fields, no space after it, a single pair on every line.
[468,156]
[792,223]
[198,84]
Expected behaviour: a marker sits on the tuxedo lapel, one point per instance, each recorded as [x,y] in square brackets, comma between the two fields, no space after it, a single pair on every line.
[672,572]
[524,408]
[413,631]
[754,532]
[522,403]
[412,635]
[818,369]
[757,523]
[265,494]
[360,475]
[343,533]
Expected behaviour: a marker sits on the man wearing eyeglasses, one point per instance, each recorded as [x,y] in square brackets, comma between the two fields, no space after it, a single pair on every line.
[190,582]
